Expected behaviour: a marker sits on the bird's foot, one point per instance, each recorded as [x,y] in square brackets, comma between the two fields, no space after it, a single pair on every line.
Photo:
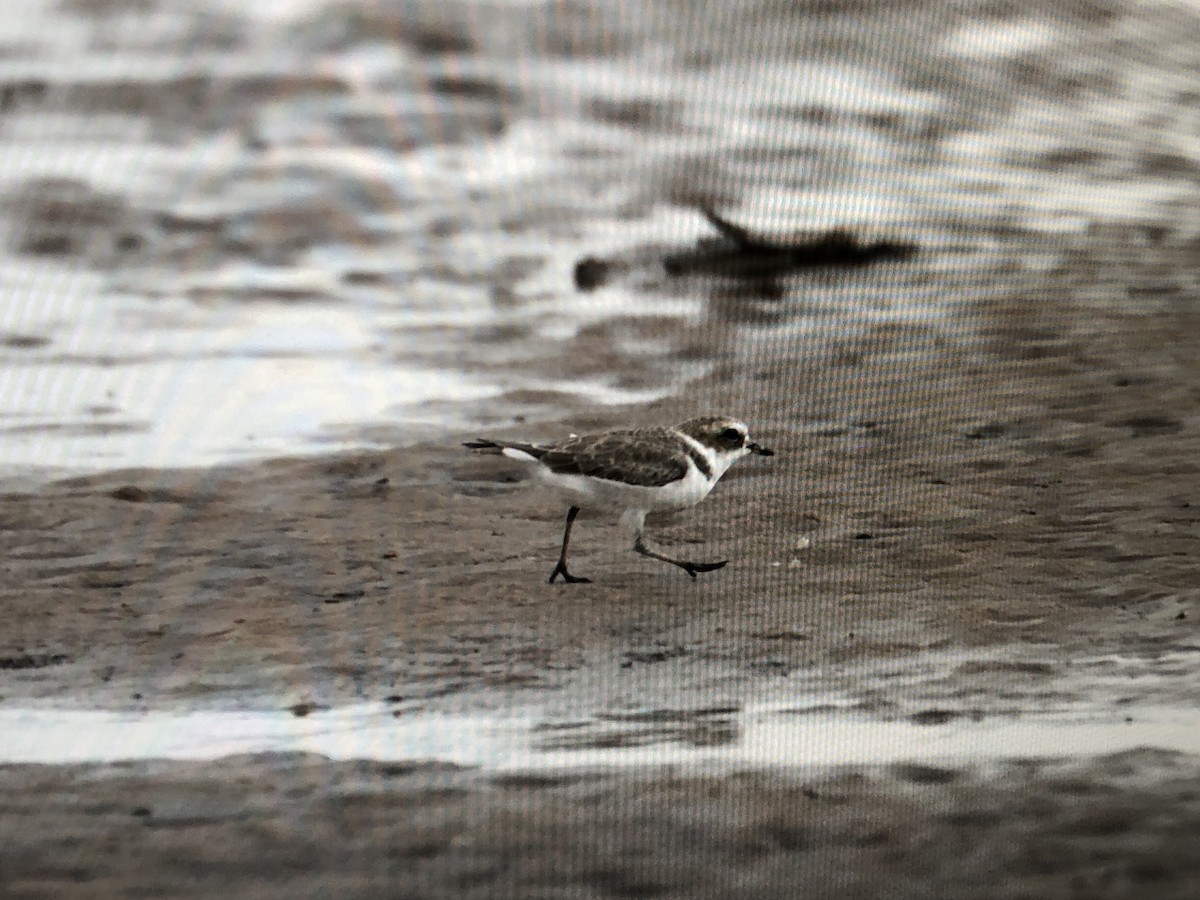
[561,569]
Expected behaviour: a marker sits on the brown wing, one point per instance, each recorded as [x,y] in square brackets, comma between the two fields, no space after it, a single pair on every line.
[648,457]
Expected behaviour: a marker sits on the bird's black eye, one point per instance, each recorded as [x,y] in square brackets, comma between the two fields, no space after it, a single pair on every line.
[732,436]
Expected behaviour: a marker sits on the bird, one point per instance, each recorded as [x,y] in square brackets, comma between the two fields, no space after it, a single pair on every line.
[637,471]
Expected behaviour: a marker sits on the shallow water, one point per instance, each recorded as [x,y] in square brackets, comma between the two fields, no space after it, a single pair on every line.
[755,738]
[307,226]
[947,708]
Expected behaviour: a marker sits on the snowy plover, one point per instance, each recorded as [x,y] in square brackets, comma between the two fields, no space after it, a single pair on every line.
[638,471]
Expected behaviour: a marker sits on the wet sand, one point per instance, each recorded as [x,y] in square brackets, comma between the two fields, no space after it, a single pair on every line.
[1013,486]
[1022,473]
[349,225]
[297,826]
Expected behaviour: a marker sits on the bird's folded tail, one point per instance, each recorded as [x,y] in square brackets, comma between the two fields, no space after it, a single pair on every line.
[513,449]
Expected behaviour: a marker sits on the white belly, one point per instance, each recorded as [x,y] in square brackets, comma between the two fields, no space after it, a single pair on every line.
[592,493]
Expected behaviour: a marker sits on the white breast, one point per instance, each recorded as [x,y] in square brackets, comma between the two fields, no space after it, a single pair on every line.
[687,491]
[598,492]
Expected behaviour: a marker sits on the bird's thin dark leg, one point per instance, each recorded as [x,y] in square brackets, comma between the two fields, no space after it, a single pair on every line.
[561,568]
[690,567]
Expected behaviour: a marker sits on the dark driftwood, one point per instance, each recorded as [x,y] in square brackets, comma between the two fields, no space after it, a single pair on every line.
[742,254]
[739,253]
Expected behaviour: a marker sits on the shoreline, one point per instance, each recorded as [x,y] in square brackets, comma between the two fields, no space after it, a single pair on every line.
[1022,535]
[1035,491]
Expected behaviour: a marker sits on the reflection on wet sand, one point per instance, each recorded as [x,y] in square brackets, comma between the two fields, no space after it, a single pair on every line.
[700,740]
[241,233]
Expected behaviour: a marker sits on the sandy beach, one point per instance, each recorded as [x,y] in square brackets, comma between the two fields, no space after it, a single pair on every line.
[1016,488]
[1010,480]
[271,631]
